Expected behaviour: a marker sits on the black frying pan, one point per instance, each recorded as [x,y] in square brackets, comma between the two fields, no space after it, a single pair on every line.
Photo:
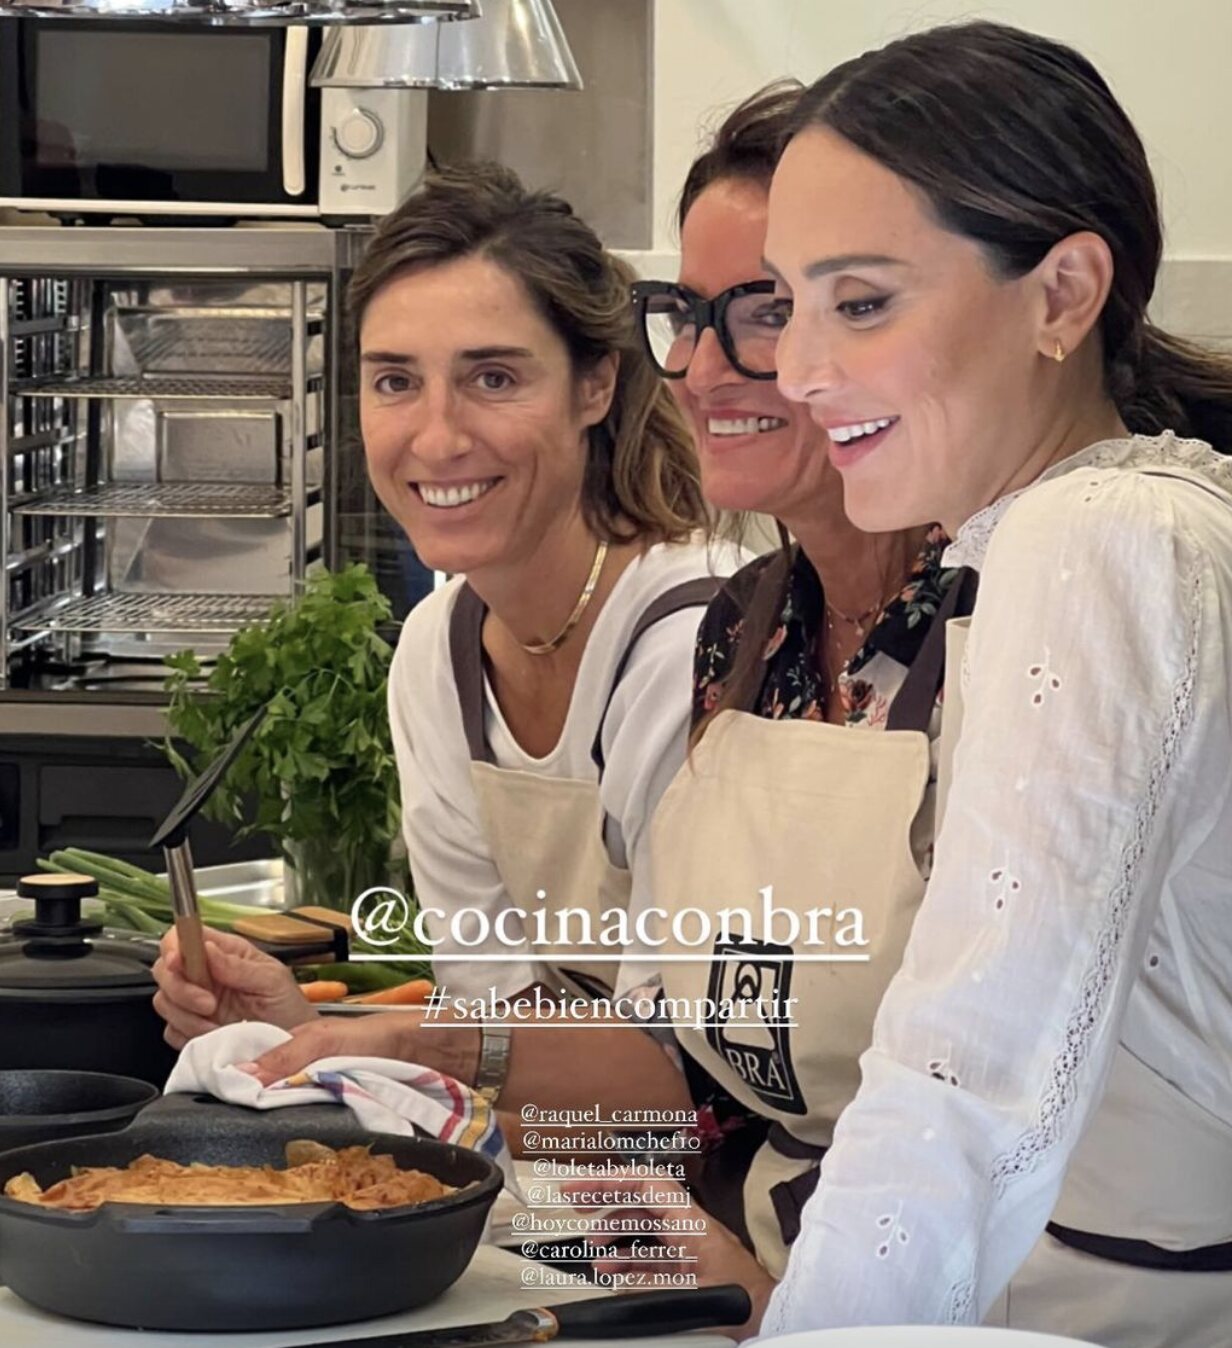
[241,1268]
[39,1105]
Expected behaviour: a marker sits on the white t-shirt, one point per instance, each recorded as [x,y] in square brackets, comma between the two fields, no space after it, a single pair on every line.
[1079,896]
[644,740]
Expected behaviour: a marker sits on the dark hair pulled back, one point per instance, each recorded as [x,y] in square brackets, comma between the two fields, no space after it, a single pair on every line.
[747,144]
[1016,141]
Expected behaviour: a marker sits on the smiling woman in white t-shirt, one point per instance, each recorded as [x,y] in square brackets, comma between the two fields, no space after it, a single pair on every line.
[540,700]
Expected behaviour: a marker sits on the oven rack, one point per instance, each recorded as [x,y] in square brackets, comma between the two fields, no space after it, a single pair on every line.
[198,345]
[223,500]
[151,613]
[232,387]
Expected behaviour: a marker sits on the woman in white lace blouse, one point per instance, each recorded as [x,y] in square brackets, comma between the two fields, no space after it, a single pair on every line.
[966,235]
[967,228]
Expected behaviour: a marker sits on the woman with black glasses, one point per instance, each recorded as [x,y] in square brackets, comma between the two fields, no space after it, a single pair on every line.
[827,630]
[843,610]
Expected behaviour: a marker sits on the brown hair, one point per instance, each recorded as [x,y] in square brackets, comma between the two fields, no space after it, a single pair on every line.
[1016,142]
[746,148]
[641,478]
[747,144]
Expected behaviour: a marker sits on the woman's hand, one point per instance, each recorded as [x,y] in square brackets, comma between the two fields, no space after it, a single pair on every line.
[390,1034]
[714,1256]
[245,984]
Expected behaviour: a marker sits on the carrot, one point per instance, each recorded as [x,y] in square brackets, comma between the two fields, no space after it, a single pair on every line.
[414,993]
[324,990]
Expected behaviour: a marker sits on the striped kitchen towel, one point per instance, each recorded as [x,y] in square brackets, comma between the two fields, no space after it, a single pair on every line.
[385,1094]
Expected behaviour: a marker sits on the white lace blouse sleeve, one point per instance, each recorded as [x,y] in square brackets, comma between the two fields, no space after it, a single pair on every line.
[993,1042]
[449,856]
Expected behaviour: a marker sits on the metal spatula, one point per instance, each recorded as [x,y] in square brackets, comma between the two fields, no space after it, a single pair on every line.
[172,837]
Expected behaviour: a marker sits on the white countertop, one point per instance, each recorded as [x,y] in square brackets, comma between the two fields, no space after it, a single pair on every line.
[489,1290]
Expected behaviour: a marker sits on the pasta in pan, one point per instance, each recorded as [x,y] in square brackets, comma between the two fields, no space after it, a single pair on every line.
[314,1174]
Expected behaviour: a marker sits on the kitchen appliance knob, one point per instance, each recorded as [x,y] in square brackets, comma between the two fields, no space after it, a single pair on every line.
[359,134]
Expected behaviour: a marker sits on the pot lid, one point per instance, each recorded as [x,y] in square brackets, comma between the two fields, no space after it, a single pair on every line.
[56,952]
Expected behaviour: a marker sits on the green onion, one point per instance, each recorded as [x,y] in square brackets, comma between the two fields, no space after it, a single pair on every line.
[132,915]
[142,892]
[140,901]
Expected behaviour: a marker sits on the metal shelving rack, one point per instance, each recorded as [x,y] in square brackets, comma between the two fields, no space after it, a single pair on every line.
[168,499]
[149,613]
[113,342]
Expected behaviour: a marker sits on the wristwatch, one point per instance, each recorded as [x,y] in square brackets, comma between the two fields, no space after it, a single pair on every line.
[494,1044]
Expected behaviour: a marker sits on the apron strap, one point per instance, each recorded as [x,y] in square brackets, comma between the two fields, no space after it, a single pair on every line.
[1143,1254]
[688,594]
[719,1181]
[771,578]
[466,656]
[790,1196]
[912,708]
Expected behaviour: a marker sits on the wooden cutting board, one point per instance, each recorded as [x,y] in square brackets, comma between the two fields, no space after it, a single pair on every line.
[283,929]
[327,917]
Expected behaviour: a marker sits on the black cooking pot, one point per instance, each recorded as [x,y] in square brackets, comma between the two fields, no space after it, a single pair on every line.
[39,1106]
[72,1001]
[289,1266]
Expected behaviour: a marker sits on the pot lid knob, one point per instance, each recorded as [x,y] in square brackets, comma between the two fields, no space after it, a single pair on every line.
[57,905]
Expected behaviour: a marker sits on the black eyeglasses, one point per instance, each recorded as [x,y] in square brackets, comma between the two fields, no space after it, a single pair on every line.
[747,320]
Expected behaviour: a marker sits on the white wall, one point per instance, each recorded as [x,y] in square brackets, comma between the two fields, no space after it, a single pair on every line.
[1168,61]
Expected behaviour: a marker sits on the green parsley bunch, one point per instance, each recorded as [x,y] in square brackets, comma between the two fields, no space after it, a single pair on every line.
[318,774]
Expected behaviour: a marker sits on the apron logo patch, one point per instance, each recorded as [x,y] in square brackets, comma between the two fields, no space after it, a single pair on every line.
[758,1052]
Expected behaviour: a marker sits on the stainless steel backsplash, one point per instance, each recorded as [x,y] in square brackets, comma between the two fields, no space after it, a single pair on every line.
[592,146]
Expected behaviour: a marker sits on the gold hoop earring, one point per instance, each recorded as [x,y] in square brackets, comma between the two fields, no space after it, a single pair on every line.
[1058,352]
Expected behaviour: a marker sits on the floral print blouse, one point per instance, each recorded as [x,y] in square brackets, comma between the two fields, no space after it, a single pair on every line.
[794,686]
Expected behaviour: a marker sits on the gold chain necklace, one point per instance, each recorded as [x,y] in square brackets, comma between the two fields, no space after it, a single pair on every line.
[836,675]
[547,647]
[874,611]
[857,622]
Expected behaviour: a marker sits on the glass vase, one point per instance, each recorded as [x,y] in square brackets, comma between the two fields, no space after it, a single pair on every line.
[324,874]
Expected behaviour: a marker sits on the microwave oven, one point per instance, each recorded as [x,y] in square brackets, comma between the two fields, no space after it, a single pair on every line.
[141,119]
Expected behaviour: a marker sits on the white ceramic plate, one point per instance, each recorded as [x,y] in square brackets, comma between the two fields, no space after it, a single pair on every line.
[924,1336]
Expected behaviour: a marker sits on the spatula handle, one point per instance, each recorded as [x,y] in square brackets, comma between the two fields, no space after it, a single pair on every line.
[645,1314]
[187,917]
[192,950]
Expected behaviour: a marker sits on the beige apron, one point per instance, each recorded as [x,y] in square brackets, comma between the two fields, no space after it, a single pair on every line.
[545,834]
[831,819]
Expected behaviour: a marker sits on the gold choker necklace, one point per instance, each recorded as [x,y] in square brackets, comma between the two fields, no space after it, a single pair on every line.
[547,647]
